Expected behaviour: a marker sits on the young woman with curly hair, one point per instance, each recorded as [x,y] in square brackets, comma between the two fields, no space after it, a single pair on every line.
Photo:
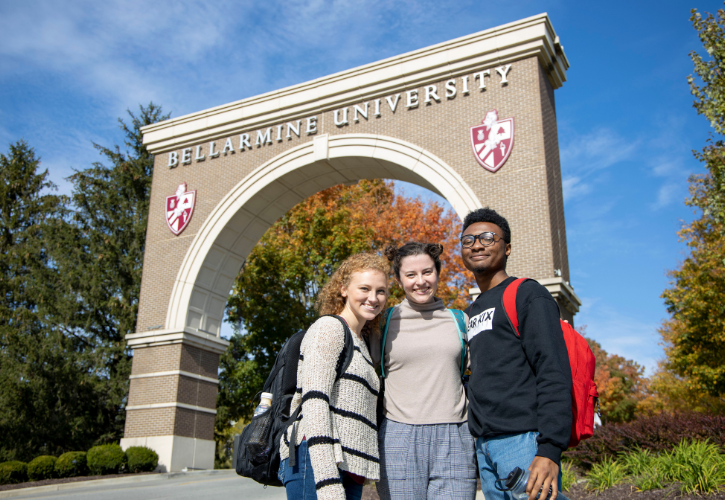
[426,450]
[336,434]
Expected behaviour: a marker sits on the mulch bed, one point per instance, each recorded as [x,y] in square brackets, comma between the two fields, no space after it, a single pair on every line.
[46,482]
[578,492]
[621,491]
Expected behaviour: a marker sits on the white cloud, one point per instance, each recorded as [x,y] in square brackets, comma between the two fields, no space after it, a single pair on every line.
[671,162]
[573,187]
[597,150]
[83,63]
[583,156]
[668,194]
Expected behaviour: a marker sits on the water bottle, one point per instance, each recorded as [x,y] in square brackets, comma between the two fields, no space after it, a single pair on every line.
[258,443]
[265,404]
[516,485]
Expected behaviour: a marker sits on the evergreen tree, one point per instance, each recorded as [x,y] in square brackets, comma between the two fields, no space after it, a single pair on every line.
[98,250]
[43,386]
[70,276]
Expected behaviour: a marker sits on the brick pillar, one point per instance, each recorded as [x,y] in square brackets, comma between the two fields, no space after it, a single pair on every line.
[172,397]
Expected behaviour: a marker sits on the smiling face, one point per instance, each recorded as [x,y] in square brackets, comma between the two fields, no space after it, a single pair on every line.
[483,260]
[365,296]
[418,278]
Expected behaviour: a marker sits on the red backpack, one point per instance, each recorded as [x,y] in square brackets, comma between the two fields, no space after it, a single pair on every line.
[584,395]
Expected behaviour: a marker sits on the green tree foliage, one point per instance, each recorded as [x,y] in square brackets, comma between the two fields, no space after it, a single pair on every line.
[694,337]
[98,249]
[42,389]
[710,102]
[71,273]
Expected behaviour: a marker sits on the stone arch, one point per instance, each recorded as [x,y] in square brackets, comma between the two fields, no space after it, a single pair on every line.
[236,224]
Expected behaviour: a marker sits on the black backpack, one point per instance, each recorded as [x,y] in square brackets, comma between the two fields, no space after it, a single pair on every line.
[256,449]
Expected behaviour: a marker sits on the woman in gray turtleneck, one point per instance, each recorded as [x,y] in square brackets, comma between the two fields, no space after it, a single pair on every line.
[426,450]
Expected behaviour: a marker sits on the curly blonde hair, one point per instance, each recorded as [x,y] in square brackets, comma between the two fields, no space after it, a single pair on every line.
[330,299]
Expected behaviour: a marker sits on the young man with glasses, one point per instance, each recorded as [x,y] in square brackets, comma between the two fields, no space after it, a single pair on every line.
[520,387]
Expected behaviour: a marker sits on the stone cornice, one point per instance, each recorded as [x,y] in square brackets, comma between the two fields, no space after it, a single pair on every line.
[171,373]
[171,405]
[563,292]
[190,336]
[533,36]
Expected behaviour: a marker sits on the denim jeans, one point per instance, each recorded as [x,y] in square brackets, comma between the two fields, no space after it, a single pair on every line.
[299,481]
[499,455]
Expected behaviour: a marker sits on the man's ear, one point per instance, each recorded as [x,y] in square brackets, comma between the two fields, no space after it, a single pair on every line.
[508,249]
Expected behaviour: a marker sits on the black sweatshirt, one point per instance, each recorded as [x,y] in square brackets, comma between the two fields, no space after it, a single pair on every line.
[519,384]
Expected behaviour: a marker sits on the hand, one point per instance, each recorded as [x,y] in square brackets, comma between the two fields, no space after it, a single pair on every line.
[543,474]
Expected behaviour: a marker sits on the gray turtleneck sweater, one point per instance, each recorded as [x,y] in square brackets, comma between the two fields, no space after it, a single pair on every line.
[422,366]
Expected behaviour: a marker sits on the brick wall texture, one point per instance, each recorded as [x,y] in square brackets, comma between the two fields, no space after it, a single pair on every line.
[526,190]
[170,389]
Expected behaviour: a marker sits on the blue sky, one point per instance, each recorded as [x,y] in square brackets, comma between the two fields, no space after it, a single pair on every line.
[68,70]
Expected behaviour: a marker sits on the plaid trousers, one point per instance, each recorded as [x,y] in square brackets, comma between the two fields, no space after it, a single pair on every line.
[419,462]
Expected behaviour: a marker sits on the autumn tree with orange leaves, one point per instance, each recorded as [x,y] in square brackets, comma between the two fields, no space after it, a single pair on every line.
[620,382]
[274,295]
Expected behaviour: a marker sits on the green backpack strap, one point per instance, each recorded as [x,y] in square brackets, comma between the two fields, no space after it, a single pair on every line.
[387,314]
[460,320]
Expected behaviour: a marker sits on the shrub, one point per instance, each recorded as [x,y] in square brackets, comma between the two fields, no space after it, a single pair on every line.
[42,467]
[698,466]
[606,474]
[655,433]
[141,459]
[568,478]
[650,478]
[637,462]
[13,472]
[106,459]
[71,464]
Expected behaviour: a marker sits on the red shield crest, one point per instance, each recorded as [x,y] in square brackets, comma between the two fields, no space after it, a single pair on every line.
[179,208]
[492,141]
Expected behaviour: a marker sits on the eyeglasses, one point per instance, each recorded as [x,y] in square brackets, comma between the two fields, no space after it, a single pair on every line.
[487,239]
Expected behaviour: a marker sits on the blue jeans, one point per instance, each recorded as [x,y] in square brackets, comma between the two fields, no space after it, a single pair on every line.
[499,455]
[299,481]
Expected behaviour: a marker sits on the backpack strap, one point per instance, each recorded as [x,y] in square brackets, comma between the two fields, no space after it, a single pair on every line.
[388,313]
[343,362]
[509,304]
[460,320]
[348,350]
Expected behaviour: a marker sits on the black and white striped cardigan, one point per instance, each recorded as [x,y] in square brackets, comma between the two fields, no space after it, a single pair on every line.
[337,418]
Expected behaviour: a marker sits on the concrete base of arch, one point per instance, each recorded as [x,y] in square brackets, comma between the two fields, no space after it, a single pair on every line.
[177,453]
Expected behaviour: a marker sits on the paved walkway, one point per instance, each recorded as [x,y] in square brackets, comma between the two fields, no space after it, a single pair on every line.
[219,484]
[181,486]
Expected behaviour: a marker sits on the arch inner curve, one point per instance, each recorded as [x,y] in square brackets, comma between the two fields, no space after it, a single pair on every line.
[238,222]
